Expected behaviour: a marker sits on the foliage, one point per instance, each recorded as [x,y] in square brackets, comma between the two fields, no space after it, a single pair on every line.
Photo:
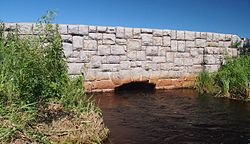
[33,73]
[205,82]
[232,79]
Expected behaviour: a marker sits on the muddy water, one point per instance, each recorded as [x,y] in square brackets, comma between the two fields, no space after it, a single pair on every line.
[173,116]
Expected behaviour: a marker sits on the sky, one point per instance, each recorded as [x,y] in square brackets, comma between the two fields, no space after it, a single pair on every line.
[224,16]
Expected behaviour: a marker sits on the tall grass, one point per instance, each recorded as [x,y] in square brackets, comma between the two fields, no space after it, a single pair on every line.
[33,73]
[232,79]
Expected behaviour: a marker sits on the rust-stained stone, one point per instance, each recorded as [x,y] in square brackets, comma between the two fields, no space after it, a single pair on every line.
[109,85]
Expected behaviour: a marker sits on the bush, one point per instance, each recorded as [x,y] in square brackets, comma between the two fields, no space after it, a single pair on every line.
[205,83]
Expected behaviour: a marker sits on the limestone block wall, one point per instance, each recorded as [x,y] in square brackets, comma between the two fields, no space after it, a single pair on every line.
[111,56]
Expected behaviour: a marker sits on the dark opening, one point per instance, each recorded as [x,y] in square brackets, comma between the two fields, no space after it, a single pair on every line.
[136,86]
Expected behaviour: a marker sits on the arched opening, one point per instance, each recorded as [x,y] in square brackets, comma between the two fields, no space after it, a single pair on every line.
[136,86]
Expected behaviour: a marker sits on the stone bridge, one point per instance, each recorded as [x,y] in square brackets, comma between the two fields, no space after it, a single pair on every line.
[112,56]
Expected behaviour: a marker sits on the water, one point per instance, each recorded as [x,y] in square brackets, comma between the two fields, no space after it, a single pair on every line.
[173,116]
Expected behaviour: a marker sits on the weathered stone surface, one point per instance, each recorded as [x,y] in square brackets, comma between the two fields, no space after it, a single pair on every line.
[101,29]
[95,36]
[92,29]
[200,43]
[174,45]
[83,30]
[90,45]
[124,65]
[141,55]
[180,35]
[120,32]
[67,38]
[128,33]
[131,55]
[210,36]
[157,41]
[111,30]
[190,44]
[162,51]
[96,61]
[181,46]
[108,38]
[121,41]
[75,68]
[134,44]
[157,33]
[152,51]
[63,29]
[145,30]
[189,35]
[118,50]
[170,57]
[113,59]
[137,33]
[77,42]
[10,26]
[147,39]
[73,29]
[159,59]
[166,32]
[166,41]
[68,49]
[104,50]
[173,34]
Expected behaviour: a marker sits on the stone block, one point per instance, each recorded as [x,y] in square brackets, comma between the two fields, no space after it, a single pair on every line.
[90,45]
[73,29]
[166,33]
[85,56]
[173,34]
[174,45]
[152,51]
[121,41]
[147,39]
[212,68]
[159,59]
[109,38]
[200,43]
[83,30]
[124,65]
[75,68]
[181,46]
[157,33]
[189,35]
[166,41]
[68,49]
[67,38]
[118,49]
[63,29]
[128,33]
[95,36]
[113,59]
[96,61]
[216,37]
[132,55]
[162,51]
[101,29]
[92,29]
[10,26]
[104,50]
[120,32]
[180,35]
[141,55]
[134,44]
[77,42]
[111,30]
[190,44]
[210,36]
[147,31]
[157,41]
[137,33]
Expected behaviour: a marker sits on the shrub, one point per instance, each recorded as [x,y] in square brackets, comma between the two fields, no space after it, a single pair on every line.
[205,82]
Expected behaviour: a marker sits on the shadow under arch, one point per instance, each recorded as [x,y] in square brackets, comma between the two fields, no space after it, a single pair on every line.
[140,86]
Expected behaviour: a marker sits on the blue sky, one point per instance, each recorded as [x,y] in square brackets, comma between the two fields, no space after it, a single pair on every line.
[226,16]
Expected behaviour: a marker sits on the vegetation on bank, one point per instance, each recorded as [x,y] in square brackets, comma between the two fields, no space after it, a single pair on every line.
[39,103]
[232,79]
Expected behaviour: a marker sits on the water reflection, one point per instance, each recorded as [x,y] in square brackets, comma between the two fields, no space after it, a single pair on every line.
[173,116]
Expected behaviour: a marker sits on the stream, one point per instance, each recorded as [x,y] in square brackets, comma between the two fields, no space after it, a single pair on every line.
[173,116]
